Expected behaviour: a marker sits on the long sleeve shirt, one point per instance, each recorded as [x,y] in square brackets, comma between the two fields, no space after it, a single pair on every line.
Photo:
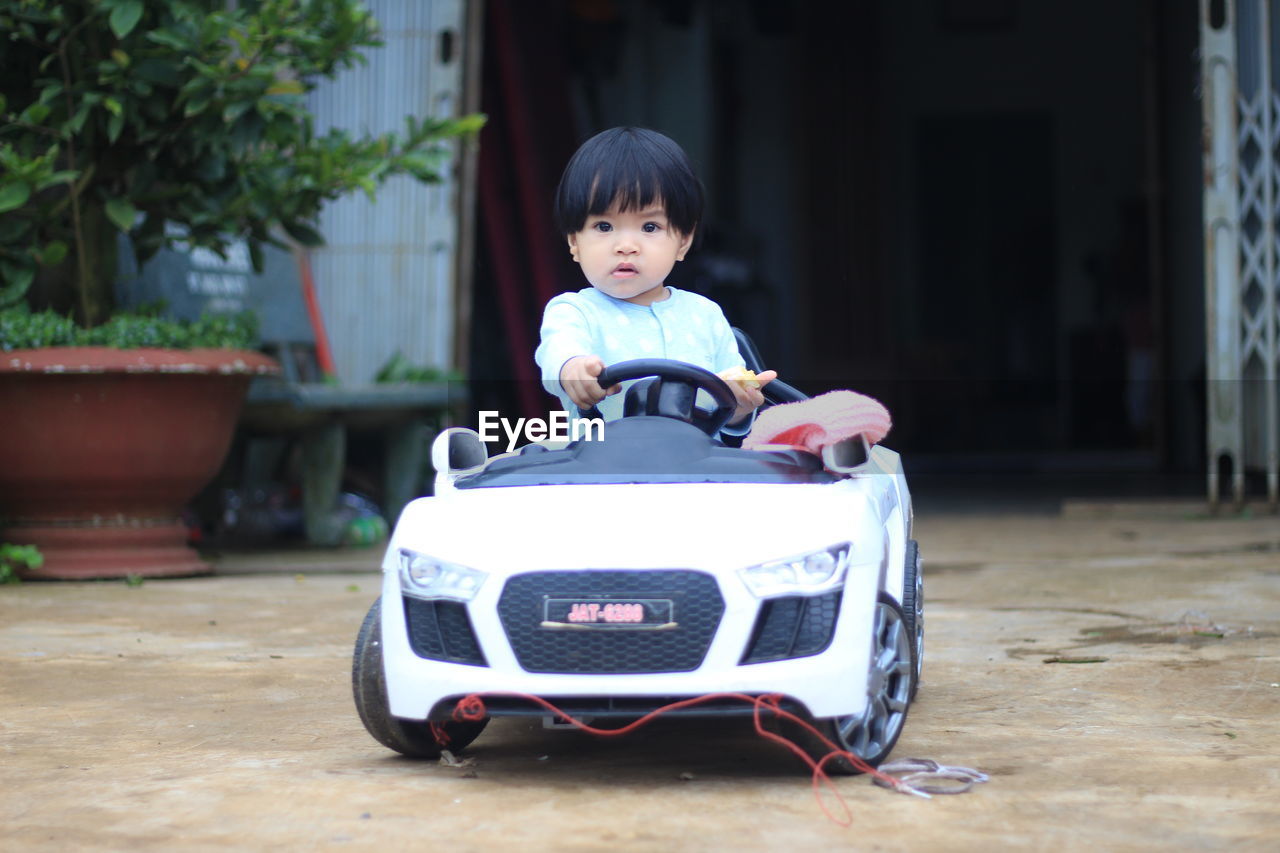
[683,327]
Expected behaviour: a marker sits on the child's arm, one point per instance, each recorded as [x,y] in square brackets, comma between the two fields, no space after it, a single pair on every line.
[566,336]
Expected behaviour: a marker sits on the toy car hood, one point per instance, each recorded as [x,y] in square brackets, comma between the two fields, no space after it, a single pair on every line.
[705,525]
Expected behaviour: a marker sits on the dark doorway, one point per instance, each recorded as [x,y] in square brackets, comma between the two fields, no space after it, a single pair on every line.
[987,285]
[987,215]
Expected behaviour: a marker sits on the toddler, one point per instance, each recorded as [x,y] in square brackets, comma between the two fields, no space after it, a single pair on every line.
[629,205]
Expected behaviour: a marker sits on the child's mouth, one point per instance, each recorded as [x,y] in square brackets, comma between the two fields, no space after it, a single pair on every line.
[624,271]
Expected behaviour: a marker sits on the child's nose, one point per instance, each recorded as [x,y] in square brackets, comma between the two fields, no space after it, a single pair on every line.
[626,244]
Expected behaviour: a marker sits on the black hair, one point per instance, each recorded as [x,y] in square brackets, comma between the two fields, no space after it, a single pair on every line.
[631,166]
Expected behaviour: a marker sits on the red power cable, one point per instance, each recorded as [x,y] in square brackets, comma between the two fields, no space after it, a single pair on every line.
[471,708]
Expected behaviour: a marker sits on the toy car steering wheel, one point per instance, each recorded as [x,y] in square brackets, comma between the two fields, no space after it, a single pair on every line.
[675,392]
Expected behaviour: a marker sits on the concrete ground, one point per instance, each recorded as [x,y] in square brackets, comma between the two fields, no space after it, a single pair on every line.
[1116,671]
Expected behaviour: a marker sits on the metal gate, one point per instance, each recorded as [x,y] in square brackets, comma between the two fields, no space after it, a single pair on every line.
[1240,49]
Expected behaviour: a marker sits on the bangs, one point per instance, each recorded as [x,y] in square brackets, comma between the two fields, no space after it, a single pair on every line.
[635,169]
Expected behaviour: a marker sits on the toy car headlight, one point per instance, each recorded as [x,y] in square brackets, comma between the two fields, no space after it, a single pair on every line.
[422,576]
[807,573]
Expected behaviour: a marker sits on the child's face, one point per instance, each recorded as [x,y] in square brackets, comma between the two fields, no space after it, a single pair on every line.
[629,255]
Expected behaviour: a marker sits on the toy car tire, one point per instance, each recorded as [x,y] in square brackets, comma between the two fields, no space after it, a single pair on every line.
[369,687]
[891,675]
[913,607]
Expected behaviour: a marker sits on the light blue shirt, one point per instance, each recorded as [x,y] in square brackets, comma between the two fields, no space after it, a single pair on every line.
[683,327]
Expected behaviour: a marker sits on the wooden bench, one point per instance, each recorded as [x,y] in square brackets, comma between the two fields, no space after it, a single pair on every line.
[301,404]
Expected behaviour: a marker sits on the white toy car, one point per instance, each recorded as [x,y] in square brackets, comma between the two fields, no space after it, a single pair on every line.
[703,569]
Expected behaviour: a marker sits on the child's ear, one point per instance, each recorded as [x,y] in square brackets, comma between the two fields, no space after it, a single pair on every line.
[686,240]
[573,247]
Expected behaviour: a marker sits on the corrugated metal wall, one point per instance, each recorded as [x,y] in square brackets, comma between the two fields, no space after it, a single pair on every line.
[385,277]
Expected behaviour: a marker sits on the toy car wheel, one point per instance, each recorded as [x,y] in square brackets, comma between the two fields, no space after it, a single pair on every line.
[872,734]
[369,685]
[913,607]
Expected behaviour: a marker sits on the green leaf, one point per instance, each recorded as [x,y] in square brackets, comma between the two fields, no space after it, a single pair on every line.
[53,253]
[122,213]
[121,58]
[114,126]
[125,17]
[286,87]
[470,124]
[16,281]
[14,195]
[195,106]
[256,256]
[35,113]
[169,39]
[77,121]
[234,111]
[304,234]
[64,177]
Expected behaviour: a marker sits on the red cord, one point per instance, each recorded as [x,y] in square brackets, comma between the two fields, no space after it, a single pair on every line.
[471,708]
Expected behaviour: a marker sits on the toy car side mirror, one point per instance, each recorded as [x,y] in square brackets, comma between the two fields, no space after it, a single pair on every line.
[845,457]
[457,451]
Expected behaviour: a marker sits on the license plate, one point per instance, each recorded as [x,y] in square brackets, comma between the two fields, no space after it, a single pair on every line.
[651,614]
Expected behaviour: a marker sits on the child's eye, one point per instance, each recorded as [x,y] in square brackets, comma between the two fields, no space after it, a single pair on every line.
[650,227]
[602,227]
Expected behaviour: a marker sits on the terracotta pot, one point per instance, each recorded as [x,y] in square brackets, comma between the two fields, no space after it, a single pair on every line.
[102,448]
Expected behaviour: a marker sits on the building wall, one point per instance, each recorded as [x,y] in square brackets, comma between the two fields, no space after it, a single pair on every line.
[385,278]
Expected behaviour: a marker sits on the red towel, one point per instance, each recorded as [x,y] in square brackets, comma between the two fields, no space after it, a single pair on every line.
[821,421]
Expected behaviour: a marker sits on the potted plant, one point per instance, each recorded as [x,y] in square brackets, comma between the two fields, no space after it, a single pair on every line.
[172,123]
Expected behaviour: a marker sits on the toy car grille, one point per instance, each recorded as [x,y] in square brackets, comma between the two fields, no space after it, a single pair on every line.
[793,627]
[696,608]
[441,630]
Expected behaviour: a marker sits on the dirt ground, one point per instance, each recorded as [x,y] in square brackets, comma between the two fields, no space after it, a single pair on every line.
[216,713]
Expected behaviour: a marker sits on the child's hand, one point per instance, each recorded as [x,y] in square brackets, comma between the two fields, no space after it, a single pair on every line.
[746,388]
[578,379]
